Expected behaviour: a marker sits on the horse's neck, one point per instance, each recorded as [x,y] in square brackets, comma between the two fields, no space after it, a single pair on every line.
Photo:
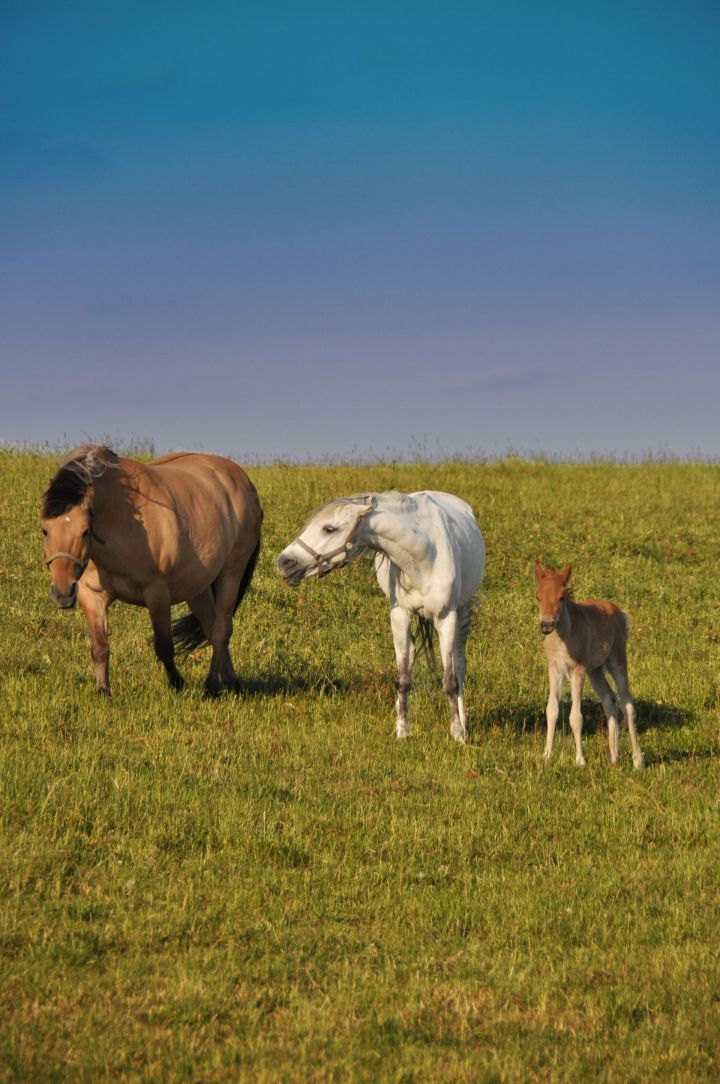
[111,490]
[407,545]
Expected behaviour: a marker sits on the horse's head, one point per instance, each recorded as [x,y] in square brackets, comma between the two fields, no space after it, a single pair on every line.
[328,540]
[67,522]
[551,592]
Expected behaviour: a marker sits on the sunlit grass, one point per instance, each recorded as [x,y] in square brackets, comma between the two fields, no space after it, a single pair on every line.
[273,888]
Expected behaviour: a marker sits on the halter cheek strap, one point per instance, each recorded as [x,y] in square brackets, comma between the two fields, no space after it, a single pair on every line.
[322,560]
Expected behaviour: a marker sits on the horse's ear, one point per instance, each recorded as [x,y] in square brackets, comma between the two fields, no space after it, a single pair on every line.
[565,574]
[538,571]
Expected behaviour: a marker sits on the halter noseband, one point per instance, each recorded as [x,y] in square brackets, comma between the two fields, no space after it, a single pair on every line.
[82,565]
[322,560]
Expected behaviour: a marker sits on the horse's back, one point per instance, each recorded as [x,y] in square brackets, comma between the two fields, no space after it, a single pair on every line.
[195,474]
[466,543]
[198,511]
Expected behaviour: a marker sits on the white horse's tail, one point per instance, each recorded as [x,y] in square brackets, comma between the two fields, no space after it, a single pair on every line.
[424,633]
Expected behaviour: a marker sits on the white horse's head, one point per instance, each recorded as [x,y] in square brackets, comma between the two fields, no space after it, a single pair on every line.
[328,540]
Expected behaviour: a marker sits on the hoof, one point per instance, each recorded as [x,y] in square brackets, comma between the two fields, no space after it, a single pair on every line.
[639,763]
[210,692]
[580,762]
[459,733]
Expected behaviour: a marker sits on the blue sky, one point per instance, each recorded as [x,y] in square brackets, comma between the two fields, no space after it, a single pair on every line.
[311,230]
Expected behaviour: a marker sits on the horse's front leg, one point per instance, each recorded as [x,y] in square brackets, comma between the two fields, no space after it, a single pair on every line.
[157,600]
[448,632]
[95,602]
[404,655]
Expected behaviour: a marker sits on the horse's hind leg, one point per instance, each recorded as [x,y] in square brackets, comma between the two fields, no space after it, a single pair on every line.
[157,600]
[607,698]
[460,661]
[449,634]
[404,656]
[617,665]
[222,673]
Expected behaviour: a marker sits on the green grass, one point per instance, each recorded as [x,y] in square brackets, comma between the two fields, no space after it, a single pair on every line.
[274,888]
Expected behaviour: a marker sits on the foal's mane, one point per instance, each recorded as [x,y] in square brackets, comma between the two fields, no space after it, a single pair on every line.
[68,487]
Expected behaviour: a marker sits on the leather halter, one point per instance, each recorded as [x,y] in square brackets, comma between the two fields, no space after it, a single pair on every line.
[322,560]
[82,565]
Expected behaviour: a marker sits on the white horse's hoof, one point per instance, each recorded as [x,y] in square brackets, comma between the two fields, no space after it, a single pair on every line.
[580,762]
[459,733]
[639,763]
[402,733]
[547,755]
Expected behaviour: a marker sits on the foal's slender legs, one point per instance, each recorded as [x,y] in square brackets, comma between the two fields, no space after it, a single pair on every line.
[618,669]
[600,684]
[553,708]
[157,600]
[577,680]
[95,603]
[448,634]
[404,656]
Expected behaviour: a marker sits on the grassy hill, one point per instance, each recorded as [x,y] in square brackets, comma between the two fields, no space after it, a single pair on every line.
[273,888]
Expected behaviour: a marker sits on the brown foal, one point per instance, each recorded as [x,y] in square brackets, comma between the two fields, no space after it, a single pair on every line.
[584,638]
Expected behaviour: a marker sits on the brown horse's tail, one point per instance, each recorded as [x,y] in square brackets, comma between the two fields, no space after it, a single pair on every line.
[187,632]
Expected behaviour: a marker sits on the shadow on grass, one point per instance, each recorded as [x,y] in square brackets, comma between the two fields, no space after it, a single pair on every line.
[528,719]
[287,684]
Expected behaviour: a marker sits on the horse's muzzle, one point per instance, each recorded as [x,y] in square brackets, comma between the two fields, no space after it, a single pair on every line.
[289,569]
[546,627]
[65,600]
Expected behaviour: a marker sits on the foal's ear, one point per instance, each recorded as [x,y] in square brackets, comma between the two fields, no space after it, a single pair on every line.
[539,571]
[565,574]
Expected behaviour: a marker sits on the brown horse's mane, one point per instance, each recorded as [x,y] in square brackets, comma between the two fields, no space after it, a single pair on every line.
[68,487]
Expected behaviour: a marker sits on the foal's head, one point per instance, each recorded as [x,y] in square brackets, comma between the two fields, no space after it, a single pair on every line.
[551,592]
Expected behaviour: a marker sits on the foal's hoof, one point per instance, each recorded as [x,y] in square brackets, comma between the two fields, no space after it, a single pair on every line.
[459,733]
[639,763]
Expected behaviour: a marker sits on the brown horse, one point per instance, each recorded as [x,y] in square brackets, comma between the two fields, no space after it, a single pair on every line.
[584,638]
[182,528]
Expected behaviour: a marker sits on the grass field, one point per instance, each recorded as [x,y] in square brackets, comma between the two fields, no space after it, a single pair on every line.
[274,889]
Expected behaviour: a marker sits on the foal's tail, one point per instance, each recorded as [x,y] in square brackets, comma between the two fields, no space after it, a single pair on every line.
[187,632]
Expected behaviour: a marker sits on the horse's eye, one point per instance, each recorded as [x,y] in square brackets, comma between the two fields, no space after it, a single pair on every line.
[44,531]
[86,534]
[329,528]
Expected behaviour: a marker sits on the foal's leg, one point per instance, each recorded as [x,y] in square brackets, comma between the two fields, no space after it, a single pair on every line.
[618,669]
[600,684]
[577,680]
[448,632]
[404,656]
[553,708]
[157,600]
[95,602]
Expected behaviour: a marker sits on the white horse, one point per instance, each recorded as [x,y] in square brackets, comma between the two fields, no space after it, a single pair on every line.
[429,561]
